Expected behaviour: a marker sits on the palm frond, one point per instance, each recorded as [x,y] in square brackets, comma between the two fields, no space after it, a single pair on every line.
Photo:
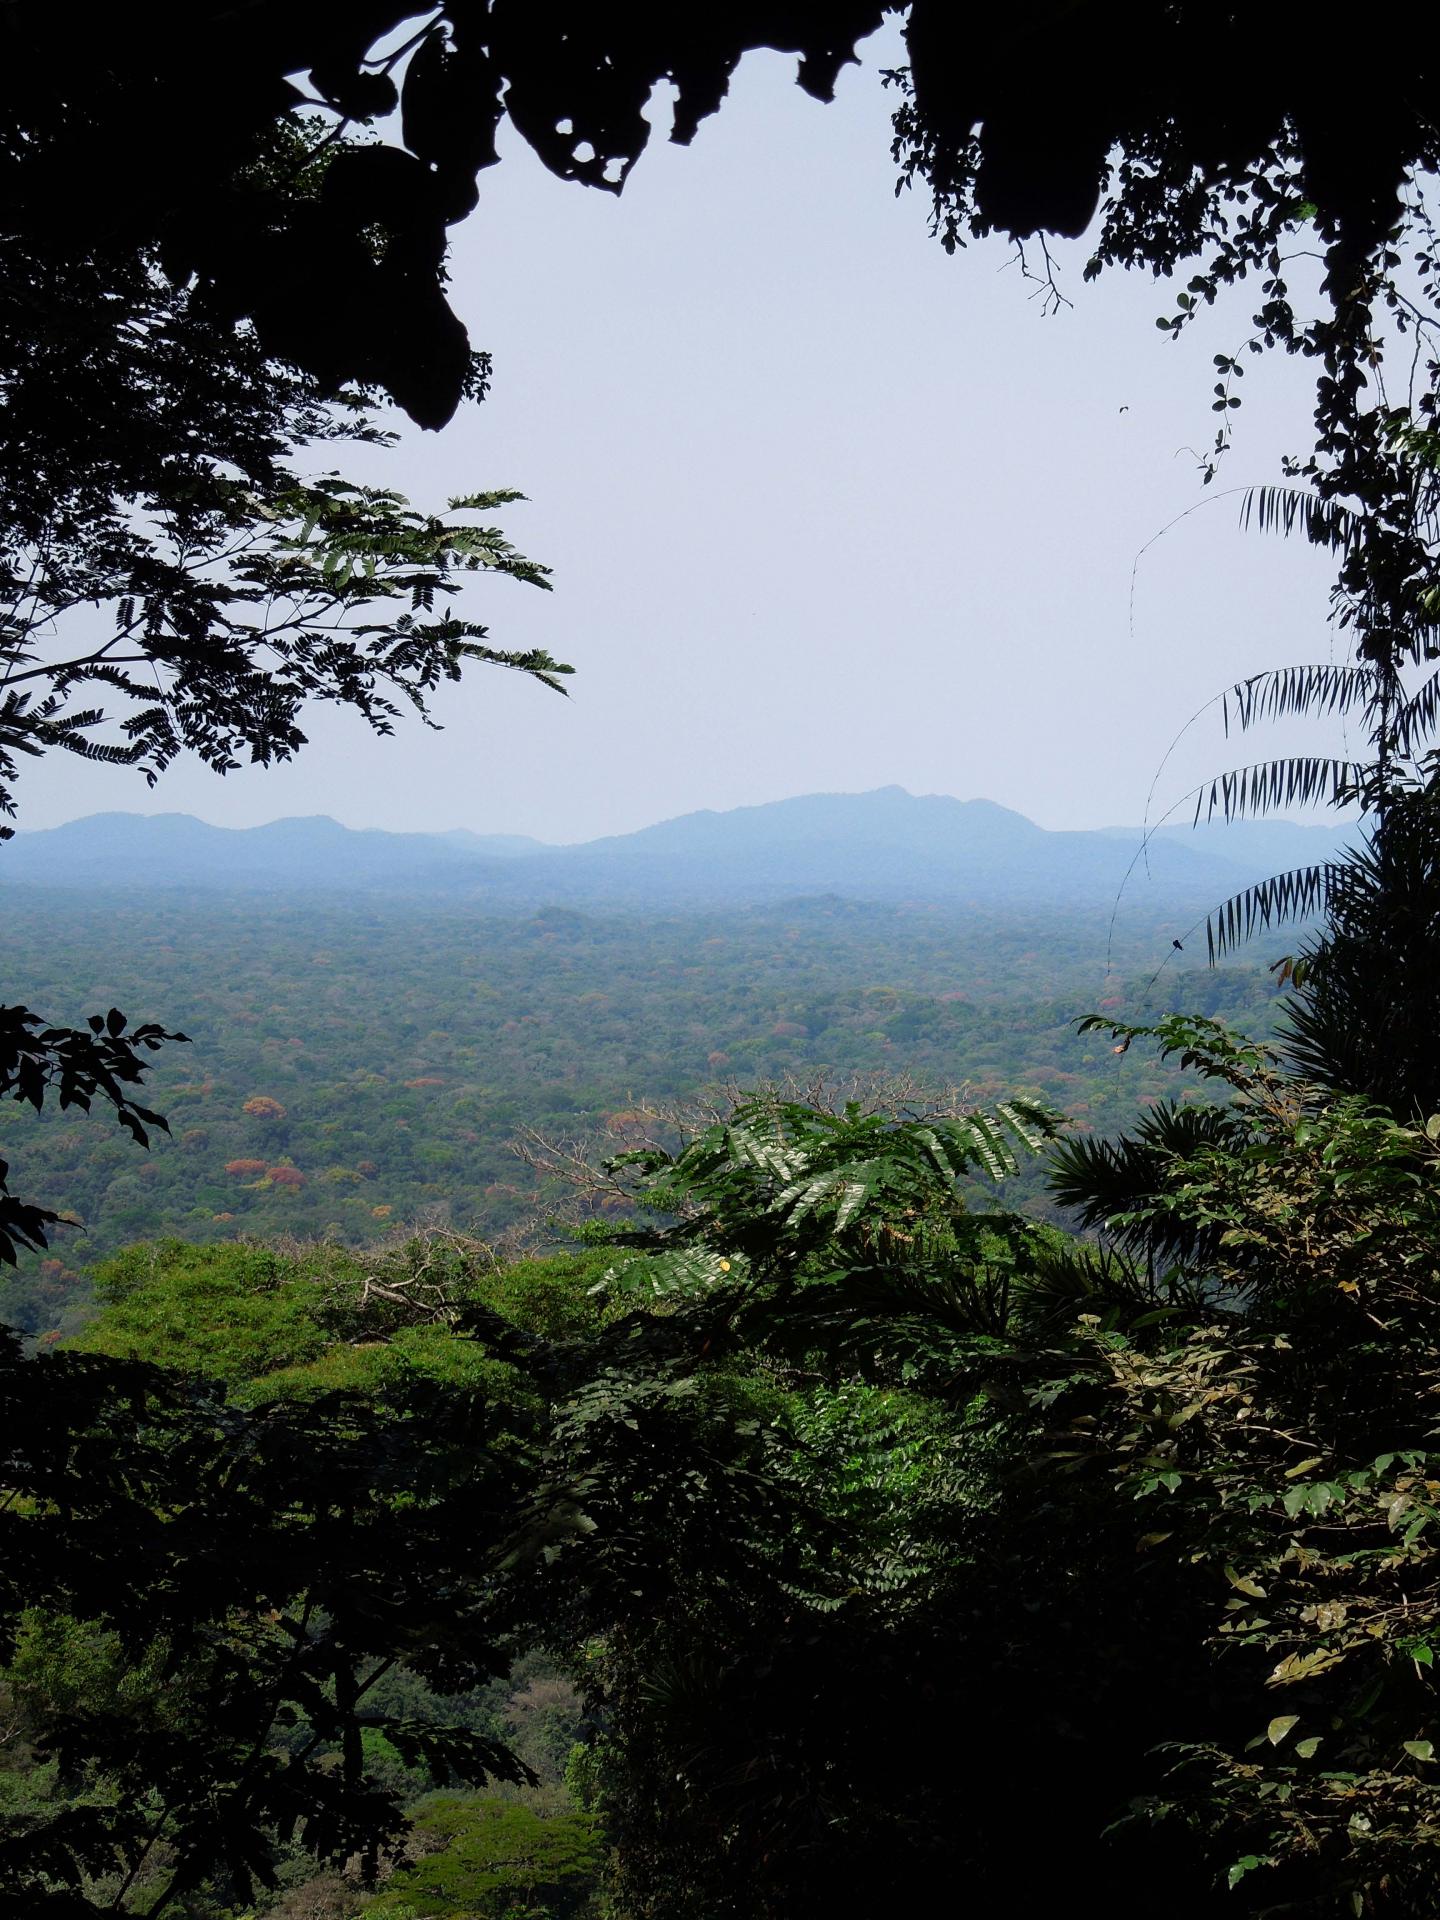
[1366,1016]
[1119,1285]
[1300,894]
[1325,523]
[1305,780]
[1108,1183]
[1417,717]
[1282,691]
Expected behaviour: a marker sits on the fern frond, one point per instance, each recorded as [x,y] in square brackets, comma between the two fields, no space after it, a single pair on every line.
[744,1146]
[987,1144]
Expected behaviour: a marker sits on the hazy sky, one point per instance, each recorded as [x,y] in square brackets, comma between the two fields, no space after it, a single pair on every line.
[827,509]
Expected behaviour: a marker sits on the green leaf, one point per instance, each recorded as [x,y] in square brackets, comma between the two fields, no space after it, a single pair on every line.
[852,1199]
[1302,1666]
[1280,1726]
[1293,1473]
[1247,1863]
[1419,1749]
[1243,1584]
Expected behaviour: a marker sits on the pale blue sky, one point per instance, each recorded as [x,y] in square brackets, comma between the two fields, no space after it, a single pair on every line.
[827,510]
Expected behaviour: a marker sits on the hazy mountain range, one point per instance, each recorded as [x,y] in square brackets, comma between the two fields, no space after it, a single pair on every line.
[879,845]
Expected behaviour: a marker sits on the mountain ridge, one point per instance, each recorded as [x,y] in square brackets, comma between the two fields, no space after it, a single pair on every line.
[882,844]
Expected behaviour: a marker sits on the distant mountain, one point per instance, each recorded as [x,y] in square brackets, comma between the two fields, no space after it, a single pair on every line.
[1274,845]
[882,845]
[493,846]
[136,850]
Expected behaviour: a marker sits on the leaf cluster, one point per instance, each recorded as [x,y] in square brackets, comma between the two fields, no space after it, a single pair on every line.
[260,1571]
[76,1065]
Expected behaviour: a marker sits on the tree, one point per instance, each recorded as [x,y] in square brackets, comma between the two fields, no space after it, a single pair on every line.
[1276,1447]
[169,582]
[235,610]
[140,140]
[899,1640]
[259,1573]
[160,547]
[175,153]
[1362,1016]
[1365,1016]
[77,1065]
[1180,1583]
[686,1534]
[178,151]
[494,1858]
[210,1571]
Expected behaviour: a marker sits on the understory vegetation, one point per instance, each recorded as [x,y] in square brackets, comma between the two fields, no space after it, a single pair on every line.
[744,1559]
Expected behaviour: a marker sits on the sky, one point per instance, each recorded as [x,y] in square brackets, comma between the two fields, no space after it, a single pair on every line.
[827,510]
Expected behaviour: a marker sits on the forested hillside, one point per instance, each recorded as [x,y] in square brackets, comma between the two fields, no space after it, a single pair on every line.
[354,1069]
[885,845]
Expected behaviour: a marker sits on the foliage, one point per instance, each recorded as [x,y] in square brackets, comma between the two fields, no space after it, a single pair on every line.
[1177,1546]
[231,610]
[1369,496]
[1277,1445]
[780,1712]
[494,1860]
[278,1563]
[836,1485]
[168,581]
[1365,1018]
[76,1065]
[846,1463]
[572,1026]
[777,1184]
[1177,159]
[309,1319]
[159,551]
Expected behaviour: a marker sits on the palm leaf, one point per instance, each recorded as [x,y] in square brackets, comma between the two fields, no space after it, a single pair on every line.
[1417,717]
[1325,523]
[1108,1183]
[1305,780]
[1300,894]
[1313,688]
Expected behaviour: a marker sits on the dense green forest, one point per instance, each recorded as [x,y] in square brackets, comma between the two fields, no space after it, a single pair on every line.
[354,1069]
